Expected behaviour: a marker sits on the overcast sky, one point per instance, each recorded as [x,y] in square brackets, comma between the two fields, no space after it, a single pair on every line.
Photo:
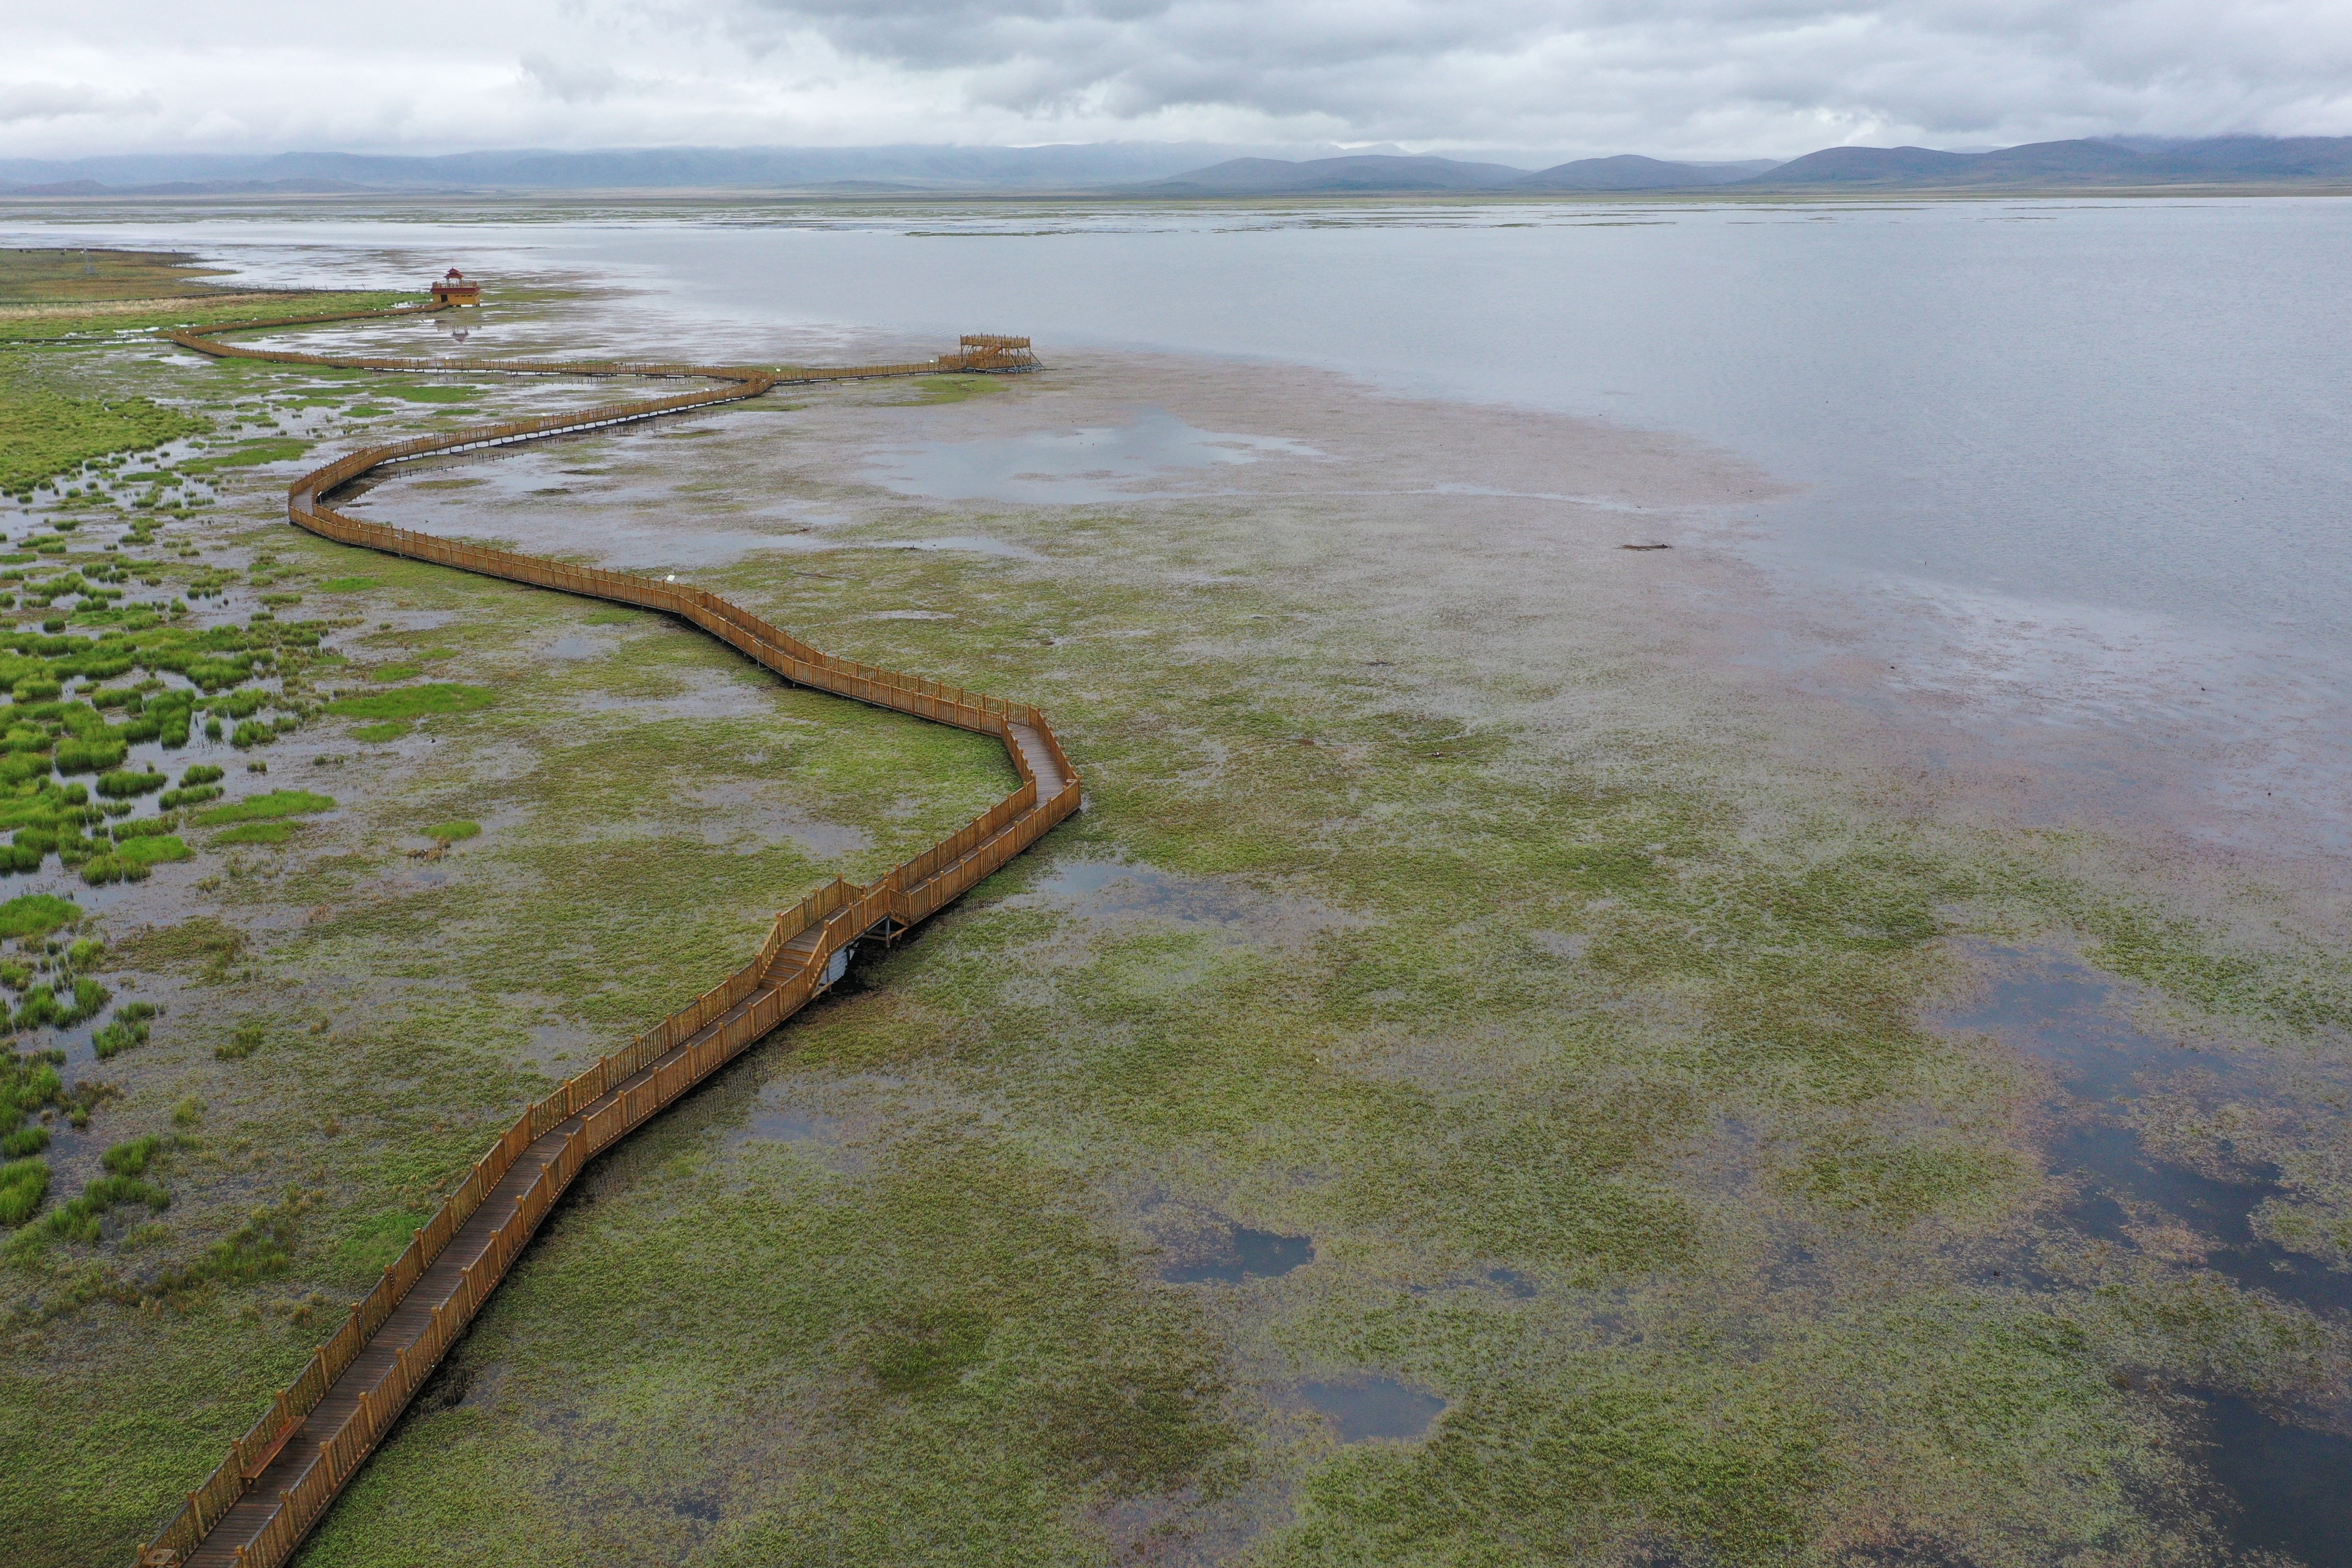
[1680,77]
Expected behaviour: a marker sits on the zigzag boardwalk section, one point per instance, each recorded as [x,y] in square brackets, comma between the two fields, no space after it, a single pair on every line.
[280,1476]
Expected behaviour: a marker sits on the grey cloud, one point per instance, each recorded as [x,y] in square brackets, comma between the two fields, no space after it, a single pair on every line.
[1419,68]
[1677,78]
[571,81]
[25,102]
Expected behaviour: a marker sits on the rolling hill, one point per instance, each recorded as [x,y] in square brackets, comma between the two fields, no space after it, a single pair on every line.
[1356,174]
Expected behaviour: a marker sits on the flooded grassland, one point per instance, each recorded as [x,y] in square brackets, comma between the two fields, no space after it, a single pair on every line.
[1485,1079]
[498,832]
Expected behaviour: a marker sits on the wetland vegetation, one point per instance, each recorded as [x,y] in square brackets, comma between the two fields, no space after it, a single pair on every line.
[1427,996]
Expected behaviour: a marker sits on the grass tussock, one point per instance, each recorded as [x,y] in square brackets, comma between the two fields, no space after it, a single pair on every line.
[36,914]
[125,1031]
[243,1041]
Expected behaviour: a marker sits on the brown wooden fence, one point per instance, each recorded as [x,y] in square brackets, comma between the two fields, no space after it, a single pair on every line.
[279,1478]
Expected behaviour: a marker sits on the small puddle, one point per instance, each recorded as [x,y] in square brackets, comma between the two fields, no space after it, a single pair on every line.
[1239,1254]
[1361,1409]
[787,1124]
[781,1114]
[1099,888]
[1511,1282]
[1077,468]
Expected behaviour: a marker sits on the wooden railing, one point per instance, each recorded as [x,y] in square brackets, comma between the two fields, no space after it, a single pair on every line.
[594,1108]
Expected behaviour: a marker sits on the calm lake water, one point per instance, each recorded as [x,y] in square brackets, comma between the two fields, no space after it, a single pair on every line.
[2085,462]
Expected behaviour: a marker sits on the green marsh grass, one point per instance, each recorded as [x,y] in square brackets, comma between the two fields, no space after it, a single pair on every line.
[256,833]
[23,1185]
[265,807]
[103,869]
[243,1041]
[154,849]
[45,433]
[125,1031]
[36,914]
[127,785]
[249,453]
[413,701]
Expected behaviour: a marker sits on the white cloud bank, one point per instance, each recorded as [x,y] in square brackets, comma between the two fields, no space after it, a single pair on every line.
[1698,77]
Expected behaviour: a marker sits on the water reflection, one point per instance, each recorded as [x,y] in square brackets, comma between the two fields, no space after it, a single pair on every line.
[1511,1282]
[2065,1013]
[1099,888]
[1367,1407]
[2293,1485]
[1242,1254]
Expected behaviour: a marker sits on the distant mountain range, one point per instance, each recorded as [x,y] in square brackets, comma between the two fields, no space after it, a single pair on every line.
[862,169]
[1176,171]
[841,170]
[2217,161]
[1370,173]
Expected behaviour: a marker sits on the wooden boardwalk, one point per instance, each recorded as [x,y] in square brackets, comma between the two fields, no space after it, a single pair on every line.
[280,1477]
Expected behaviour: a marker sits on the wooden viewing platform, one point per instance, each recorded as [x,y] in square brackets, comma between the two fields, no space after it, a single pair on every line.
[279,1478]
